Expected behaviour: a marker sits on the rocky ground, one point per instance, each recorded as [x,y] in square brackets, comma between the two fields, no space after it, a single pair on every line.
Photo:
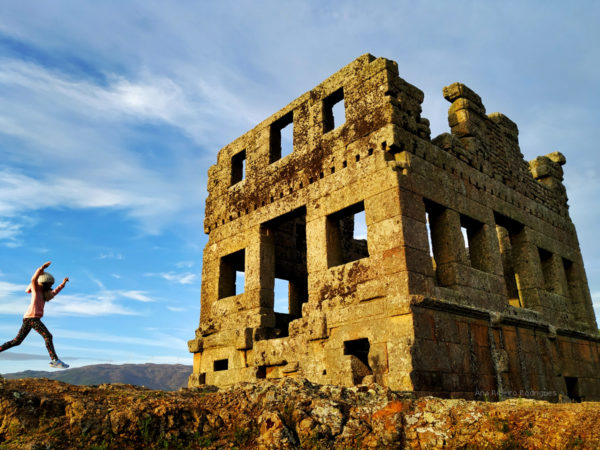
[40,414]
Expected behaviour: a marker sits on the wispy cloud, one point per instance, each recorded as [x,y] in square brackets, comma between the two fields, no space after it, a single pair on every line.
[65,124]
[96,281]
[9,289]
[180,278]
[13,356]
[149,98]
[157,339]
[111,255]
[101,304]
[13,300]
[184,264]
[9,232]
[140,296]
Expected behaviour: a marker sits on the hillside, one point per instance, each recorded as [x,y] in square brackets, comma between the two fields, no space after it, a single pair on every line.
[291,413]
[167,377]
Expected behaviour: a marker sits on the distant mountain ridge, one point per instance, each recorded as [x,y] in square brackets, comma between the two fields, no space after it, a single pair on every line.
[167,377]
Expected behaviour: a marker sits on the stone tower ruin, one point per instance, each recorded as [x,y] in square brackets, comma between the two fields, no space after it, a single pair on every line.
[466,281]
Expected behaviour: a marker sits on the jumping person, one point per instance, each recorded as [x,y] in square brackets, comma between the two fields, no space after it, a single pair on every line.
[41,292]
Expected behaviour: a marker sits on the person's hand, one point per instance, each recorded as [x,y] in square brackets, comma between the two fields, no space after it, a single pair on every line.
[65,280]
[46,264]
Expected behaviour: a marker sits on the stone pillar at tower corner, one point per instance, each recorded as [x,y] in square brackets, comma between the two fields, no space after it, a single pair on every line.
[445,266]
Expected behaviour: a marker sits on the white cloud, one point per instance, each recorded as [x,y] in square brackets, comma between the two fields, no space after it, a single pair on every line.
[196,103]
[152,97]
[101,304]
[180,278]
[139,296]
[12,356]
[10,232]
[14,300]
[184,264]
[8,289]
[155,340]
[22,192]
[96,281]
[111,255]
[73,152]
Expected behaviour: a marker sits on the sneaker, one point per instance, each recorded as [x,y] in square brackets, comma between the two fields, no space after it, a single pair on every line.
[58,364]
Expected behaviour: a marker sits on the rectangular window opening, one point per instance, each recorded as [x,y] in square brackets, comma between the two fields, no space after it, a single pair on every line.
[347,235]
[231,274]
[547,269]
[572,384]
[507,231]
[220,364]
[429,244]
[510,277]
[571,278]
[475,242]
[428,226]
[282,137]
[290,287]
[569,271]
[463,231]
[334,111]
[360,367]
[359,348]
[238,167]
[261,372]
[436,235]
[572,290]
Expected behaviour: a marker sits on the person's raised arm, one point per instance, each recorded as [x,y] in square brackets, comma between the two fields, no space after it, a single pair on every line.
[38,272]
[60,287]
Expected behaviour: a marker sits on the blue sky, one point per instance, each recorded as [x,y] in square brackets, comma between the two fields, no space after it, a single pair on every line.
[112,112]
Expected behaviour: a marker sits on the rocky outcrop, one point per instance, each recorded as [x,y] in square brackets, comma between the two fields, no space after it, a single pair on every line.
[292,413]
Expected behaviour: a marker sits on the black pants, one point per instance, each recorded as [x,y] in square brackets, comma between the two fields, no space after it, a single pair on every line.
[37,325]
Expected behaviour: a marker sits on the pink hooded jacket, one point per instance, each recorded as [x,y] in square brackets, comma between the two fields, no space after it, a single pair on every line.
[36,307]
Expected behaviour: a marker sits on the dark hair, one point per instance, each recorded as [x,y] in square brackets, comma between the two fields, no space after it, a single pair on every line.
[47,286]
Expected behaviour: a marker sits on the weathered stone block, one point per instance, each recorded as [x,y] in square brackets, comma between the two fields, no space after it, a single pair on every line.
[243,339]
[317,327]
[195,345]
[456,91]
